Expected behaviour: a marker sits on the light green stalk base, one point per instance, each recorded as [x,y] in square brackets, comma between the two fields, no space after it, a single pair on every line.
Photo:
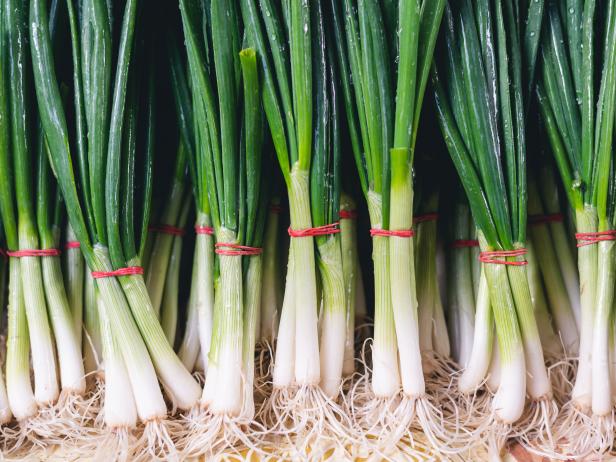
[179,384]
[334,315]
[424,259]
[307,367]
[561,239]
[350,267]
[550,341]
[252,305]
[547,261]
[161,250]
[270,294]
[92,342]
[586,220]
[204,286]
[43,351]
[190,346]
[148,396]
[385,370]
[169,304]
[74,272]
[19,387]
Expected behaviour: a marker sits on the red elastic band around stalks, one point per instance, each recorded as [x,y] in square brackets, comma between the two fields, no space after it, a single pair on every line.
[585,239]
[204,230]
[332,228]
[348,214]
[542,219]
[495,257]
[274,208]
[392,233]
[72,245]
[33,253]
[167,229]
[3,253]
[426,217]
[128,271]
[225,248]
[464,243]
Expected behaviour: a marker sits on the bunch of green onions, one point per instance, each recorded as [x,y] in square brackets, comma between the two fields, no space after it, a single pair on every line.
[168,298]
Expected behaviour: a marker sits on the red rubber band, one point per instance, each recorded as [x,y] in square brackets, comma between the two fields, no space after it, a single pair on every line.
[493,257]
[3,253]
[167,229]
[332,228]
[391,233]
[464,243]
[72,245]
[33,253]
[128,271]
[426,217]
[348,214]
[542,219]
[204,230]
[585,239]
[274,208]
[226,248]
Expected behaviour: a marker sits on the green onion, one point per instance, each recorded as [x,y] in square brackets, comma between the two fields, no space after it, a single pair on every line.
[378,47]
[102,214]
[480,102]
[577,97]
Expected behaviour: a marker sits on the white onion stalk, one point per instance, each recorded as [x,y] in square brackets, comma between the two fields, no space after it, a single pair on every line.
[307,367]
[385,371]
[5,408]
[198,329]
[402,276]
[148,396]
[68,346]
[601,381]
[253,286]
[180,386]
[169,303]
[19,388]
[350,267]
[481,354]
[334,314]
[74,270]
[120,408]
[581,394]
[284,364]
[270,292]
[508,402]
[222,393]
[46,388]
